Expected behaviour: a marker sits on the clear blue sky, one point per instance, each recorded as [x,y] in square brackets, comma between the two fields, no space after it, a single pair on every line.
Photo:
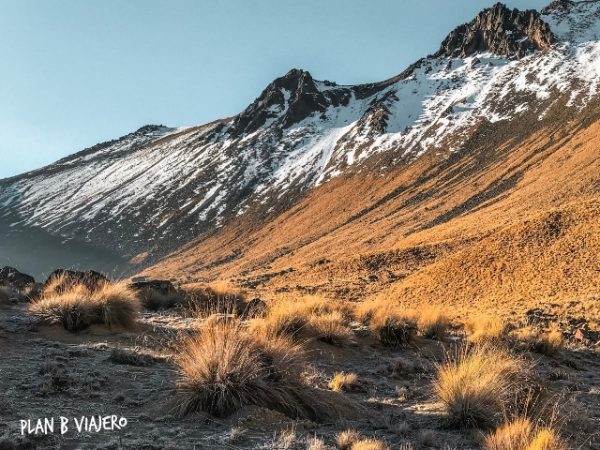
[77,72]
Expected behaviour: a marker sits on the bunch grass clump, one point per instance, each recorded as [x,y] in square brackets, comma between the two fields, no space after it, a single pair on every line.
[433,324]
[76,308]
[392,327]
[487,330]
[342,381]
[306,318]
[547,343]
[224,367]
[521,434]
[482,385]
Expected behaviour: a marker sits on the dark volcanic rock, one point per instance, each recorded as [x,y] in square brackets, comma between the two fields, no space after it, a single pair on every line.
[9,276]
[303,99]
[500,30]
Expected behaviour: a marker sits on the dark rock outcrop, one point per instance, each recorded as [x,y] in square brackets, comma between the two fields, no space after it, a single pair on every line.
[502,31]
[9,276]
[289,99]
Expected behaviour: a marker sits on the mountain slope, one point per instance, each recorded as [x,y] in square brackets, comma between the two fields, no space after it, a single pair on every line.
[150,192]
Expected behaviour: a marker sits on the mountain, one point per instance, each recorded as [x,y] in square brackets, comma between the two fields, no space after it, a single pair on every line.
[353,190]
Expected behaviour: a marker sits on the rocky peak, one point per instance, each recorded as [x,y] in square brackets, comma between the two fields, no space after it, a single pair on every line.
[288,99]
[500,30]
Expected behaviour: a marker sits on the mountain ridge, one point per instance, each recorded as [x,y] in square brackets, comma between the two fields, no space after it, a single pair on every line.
[158,188]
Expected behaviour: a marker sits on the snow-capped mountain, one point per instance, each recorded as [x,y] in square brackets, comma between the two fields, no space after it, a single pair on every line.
[158,188]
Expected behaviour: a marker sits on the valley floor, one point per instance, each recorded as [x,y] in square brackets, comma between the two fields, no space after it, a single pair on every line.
[49,372]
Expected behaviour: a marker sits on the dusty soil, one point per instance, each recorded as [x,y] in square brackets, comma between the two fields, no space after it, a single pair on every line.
[48,372]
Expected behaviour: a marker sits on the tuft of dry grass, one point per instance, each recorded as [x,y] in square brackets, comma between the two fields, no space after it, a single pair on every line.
[306,317]
[346,439]
[392,327]
[112,304]
[547,343]
[342,381]
[511,436]
[433,324]
[547,439]
[315,443]
[481,385]
[520,434]
[225,367]
[331,328]
[206,300]
[487,330]
[369,444]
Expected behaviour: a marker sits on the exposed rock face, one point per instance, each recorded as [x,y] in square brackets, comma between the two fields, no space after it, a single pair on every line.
[296,94]
[500,30]
[9,276]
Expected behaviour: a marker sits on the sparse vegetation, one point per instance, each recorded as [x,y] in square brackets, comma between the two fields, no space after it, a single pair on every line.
[346,439]
[433,324]
[217,298]
[224,367]
[369,444]
[76,308]
[331,328]
[342,381]
[316,443]
[520,434]
[547,343]
[487,330]
[481,385]
[392,327]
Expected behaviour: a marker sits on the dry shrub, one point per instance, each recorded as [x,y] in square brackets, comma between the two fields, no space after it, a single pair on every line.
[392,327]
[487,330]
[433,324]
[342,381]
[346,439]
[224,368]
[369,444]
[331,328]
[112,304]
[520,434]
[482,385]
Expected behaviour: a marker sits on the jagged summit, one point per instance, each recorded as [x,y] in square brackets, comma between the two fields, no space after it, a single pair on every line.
[287,100]
[500,30]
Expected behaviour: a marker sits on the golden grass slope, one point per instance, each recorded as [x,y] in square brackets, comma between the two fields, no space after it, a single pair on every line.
[512,220]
